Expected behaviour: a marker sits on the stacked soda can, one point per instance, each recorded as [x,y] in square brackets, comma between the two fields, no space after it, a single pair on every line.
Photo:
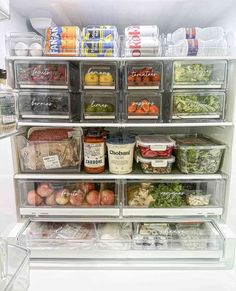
[99,41]
[62,41]
[142,41]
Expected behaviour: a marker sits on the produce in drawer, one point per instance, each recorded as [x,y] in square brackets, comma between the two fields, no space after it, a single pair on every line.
[144,76]
[160,195]
[97,77]
[198,154]
[82,194]
[143,107]
[96,108]
[197,198]
[192,73]
[196,104]
[45,73]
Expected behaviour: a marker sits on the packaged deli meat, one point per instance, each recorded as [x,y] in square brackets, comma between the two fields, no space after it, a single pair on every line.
[50,149]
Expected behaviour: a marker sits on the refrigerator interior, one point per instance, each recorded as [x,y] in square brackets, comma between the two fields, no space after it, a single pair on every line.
[194,13]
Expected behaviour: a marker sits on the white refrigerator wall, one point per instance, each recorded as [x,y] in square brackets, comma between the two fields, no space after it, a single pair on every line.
[17,23]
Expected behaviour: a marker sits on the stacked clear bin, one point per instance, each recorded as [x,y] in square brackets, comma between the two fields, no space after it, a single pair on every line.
[143,91]
[47,90]
[100,91]
[197,91]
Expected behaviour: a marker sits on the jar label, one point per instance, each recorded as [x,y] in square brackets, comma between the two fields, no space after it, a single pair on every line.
[94,155]
[51,162]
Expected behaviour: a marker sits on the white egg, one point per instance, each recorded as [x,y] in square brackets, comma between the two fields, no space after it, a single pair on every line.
[36,49]
[21,49]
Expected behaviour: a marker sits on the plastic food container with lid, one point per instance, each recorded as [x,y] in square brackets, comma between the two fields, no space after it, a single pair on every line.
[121,153]
[198,154]
[156,165]
[153,146]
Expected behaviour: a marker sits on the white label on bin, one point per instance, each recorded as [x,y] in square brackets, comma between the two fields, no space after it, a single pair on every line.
[8,119]
[159,164]
[51,162]
[158,147]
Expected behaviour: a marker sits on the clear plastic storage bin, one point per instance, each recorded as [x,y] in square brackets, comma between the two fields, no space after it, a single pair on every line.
[50,149]
[99,76]
[156,166]
[156,194]
[69,194]
[143,105]
[144,75]
[17,269]
[8,117]
[197,105]
[199,74]
[142,47]
[100,106]
[24,44]
[198,154]
[46,75]
[58,235]
[99,48]
[48,105]
[114,236]
[155,146]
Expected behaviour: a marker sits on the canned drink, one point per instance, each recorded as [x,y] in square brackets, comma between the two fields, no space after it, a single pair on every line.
[100,32]
[99,48]
[62,47]
[142,43]
[146,52]
[62,32]
[151,31]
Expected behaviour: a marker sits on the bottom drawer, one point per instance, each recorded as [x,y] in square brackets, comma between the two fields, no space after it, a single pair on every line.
[164,239]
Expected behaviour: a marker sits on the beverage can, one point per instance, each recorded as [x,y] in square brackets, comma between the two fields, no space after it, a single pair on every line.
[99,32]
[151,31]
[142,47]
[99,48]
[62,32]
[58,46]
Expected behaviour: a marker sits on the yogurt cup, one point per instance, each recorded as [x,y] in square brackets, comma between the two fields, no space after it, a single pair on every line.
[121,154]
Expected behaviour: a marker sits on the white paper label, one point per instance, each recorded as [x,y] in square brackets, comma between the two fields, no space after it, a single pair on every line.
[51,162]
[94,155]
[159,164]
[8,119]
[158,147]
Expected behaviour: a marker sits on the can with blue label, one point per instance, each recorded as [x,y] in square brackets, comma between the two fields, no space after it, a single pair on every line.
[98,48]
[100,32]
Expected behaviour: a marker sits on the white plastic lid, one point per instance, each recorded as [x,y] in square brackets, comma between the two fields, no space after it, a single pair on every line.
[154,140]
[156,162]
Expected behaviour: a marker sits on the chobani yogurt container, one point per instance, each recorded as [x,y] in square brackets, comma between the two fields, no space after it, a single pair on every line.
[121,154]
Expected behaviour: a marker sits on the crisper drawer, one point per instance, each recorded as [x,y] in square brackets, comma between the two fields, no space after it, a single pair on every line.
[164,239]
[199,74]
[48,105]
[99,76]
[68,198]
[46,75]
[173,198]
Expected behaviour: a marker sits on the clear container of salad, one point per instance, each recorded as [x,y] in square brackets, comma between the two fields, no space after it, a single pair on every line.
[156,165]
[199,74]
[198,154]
[155,146]
[197,105]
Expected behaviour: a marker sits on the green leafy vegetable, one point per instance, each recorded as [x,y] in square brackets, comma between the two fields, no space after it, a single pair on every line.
[195,73]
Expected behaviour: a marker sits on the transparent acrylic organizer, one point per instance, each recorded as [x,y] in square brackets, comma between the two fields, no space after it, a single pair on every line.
[143,75]
[69,196]
[8,115]
[48,105]
[199,74]
[100,106]
[99,76]
[19,44]
[143,106]
[141,47]
[46,75]
[197,105]
[17,277]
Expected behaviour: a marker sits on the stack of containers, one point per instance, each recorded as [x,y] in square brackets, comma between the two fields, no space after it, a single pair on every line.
[99,41]
[155,153]
[142,41]
[62,41]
